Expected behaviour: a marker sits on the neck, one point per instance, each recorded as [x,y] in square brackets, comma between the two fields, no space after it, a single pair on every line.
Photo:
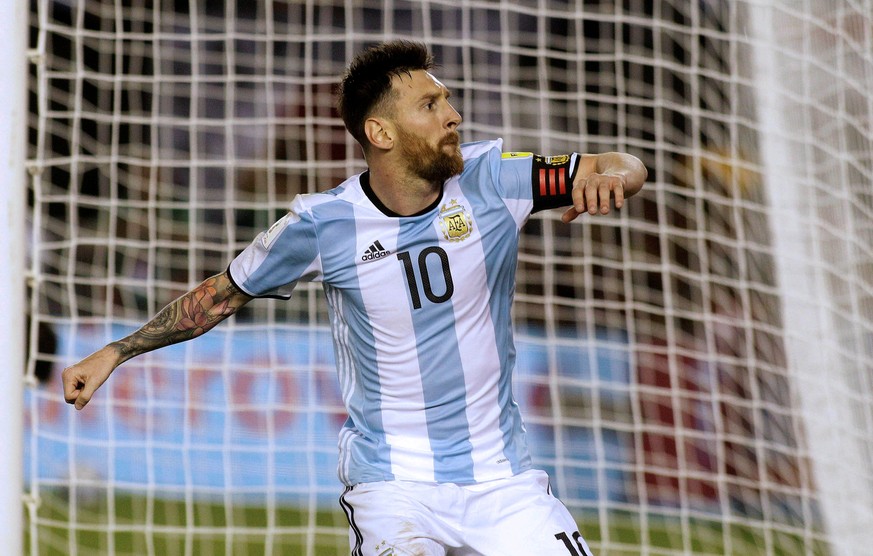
[401,192]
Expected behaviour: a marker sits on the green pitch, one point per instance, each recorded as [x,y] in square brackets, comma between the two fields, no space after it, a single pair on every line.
[134,525]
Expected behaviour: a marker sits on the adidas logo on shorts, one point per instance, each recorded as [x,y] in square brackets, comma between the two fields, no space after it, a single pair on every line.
[375,251]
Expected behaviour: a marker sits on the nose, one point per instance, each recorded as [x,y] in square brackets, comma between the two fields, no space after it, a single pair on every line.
[454,119]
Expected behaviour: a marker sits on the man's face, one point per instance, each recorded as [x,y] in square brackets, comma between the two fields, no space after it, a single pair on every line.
[426,125]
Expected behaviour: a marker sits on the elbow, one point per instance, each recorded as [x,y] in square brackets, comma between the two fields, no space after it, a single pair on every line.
[635,174]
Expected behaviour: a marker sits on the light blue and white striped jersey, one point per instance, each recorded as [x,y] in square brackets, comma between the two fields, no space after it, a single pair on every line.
[420,315]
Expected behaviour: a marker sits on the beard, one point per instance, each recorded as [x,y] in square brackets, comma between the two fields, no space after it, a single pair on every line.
[429,163]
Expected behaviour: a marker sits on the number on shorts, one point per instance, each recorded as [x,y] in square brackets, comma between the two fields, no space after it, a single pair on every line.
[562,536]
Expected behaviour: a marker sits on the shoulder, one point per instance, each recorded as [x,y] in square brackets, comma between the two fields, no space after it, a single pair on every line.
[349,191]
[481,149]
[492,153]
[481,159]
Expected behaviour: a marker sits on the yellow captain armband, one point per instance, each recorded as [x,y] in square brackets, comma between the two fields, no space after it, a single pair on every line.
[516,155]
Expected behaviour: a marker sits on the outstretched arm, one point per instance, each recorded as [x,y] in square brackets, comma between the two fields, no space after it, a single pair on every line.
[187,317]
[604,177]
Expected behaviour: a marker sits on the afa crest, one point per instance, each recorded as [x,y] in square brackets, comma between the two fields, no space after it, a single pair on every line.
[455,221]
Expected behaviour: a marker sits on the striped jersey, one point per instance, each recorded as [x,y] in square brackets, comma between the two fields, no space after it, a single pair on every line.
[420,313]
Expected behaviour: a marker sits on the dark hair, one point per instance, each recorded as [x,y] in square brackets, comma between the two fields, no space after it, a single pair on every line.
[367,81]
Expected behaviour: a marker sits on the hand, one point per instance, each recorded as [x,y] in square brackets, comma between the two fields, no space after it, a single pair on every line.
[595,192]
[82,379]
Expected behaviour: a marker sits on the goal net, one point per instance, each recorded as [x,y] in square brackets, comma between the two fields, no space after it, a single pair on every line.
[696,370]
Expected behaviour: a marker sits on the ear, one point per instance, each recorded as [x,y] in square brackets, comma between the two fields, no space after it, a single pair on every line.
[380,133]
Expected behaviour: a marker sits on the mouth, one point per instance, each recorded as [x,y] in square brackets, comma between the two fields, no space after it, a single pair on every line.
[452,140]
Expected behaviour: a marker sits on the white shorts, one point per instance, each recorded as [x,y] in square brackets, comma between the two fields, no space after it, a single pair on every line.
[517,516]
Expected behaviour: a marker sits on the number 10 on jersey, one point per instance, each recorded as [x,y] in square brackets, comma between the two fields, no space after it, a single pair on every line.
[426,284]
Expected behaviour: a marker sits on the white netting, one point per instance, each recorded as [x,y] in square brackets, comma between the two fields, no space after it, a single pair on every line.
[664,368]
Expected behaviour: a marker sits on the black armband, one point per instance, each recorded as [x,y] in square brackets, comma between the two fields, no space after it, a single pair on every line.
[552,180]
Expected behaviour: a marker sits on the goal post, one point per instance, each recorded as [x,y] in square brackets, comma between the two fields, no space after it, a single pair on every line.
[823,314]
[13,187]
[694,370]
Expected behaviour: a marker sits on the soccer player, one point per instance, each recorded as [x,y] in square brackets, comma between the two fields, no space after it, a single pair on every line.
[417,257]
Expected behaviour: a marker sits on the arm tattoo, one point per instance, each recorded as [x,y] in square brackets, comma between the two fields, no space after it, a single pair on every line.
[187,317]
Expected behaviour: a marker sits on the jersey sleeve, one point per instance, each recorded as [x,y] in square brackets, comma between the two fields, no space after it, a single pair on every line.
[278,258]
[547,181]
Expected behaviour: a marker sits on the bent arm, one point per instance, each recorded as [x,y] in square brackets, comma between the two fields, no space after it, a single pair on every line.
[189,316]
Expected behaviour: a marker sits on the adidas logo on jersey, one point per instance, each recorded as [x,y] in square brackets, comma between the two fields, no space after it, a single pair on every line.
[375,251]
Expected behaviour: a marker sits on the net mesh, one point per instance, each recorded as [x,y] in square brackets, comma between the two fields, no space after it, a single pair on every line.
[661,361]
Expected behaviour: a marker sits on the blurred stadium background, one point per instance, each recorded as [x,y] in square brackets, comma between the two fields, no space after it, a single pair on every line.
[695,370]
